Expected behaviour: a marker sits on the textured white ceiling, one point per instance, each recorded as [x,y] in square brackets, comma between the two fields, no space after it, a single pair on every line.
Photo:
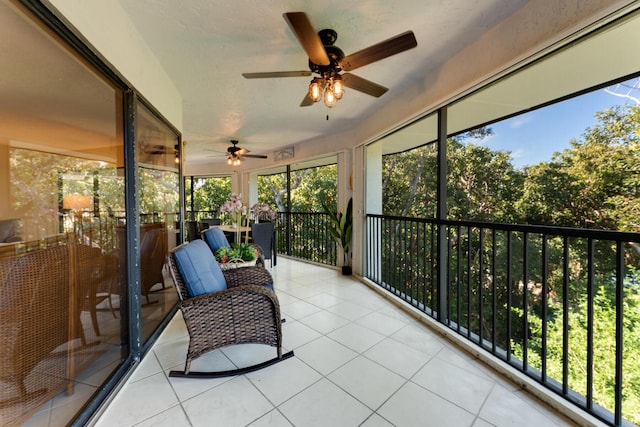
[205,45]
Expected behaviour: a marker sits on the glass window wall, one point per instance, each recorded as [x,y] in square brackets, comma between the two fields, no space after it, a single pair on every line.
[63,331]
[159,201]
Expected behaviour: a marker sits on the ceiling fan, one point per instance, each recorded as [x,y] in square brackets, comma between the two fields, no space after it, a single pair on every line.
[150,150]
[235,154]
[327,61]
[160,149]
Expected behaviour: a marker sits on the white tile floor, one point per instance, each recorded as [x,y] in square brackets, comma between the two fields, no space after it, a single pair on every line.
[359,361]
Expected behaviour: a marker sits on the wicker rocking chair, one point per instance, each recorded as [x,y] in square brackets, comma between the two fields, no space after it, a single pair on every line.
[240,307]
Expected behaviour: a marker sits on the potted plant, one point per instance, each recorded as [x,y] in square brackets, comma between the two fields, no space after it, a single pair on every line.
[340,229]
[237,253]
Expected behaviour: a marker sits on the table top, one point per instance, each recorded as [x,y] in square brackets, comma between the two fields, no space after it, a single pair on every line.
[231,229]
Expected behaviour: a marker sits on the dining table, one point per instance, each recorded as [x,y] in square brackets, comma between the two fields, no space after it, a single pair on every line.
[228,228]
[231,231]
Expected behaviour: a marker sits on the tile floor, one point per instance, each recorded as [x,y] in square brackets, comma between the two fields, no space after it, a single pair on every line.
[359,361]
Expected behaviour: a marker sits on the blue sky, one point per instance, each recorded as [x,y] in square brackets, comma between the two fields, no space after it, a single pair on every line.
[534,137]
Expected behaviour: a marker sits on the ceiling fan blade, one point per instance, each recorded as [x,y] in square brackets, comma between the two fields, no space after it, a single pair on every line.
[379,51]
[160,149]
[306,101]
[255,156]
[274,74]
[307,36]
[242,152]
[363,85]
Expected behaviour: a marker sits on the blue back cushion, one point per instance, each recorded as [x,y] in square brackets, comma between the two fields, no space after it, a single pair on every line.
[215,238]
[199,269]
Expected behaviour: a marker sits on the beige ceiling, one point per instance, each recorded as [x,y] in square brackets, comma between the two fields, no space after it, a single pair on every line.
[205,45]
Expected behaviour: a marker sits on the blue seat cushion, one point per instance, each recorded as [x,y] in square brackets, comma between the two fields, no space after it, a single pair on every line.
[199,269]
[215,238]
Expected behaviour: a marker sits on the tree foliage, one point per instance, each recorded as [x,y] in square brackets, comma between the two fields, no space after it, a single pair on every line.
[310,188]
[209,193]
[481,184]
[593,184]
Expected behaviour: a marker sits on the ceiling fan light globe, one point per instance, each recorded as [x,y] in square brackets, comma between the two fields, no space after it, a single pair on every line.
[229,161]
[338,88]
[315,90]
[330,99]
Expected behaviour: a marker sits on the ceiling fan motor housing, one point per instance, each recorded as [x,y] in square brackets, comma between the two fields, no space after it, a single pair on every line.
[334,53]
[234,148]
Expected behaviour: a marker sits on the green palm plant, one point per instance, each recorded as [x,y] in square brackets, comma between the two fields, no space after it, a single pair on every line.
[340,230]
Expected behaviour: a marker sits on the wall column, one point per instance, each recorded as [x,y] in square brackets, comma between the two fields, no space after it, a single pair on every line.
[344,190]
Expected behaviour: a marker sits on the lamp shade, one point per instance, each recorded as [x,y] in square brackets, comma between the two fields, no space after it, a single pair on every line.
[76,202]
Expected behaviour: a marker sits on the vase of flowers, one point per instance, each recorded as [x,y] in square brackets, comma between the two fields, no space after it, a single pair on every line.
[235,210]
[263,212]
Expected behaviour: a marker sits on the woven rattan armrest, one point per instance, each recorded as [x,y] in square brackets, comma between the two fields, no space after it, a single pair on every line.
[247,292]
[247,276]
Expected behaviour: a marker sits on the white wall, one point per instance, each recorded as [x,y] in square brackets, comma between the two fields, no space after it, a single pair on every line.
[107,29]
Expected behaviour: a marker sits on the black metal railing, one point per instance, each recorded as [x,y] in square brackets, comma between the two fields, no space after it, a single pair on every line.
[305,235]
[200,215]
[548,301]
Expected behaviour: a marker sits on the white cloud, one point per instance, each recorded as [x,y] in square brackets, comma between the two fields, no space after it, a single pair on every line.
[520,121]
[519,153]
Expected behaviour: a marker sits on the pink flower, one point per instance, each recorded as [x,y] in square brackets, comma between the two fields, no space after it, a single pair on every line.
[263,211]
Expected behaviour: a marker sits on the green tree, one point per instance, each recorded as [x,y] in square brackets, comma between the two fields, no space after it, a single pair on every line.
[481,184]
[209,194]
[309,188]
[409,183]
[593,184]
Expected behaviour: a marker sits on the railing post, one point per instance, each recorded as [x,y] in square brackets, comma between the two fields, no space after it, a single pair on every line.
[441,216]
[620,265]
[288,215]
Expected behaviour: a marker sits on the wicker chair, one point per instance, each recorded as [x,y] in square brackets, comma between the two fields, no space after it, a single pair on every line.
[35,321]
[192,230]
[264,236]
[95,272]
[206,223]
[153,254]
[247,311]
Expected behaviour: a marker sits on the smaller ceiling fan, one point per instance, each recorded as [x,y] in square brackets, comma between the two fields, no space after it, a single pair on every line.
[157,152]
[160,149]
[235,154]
